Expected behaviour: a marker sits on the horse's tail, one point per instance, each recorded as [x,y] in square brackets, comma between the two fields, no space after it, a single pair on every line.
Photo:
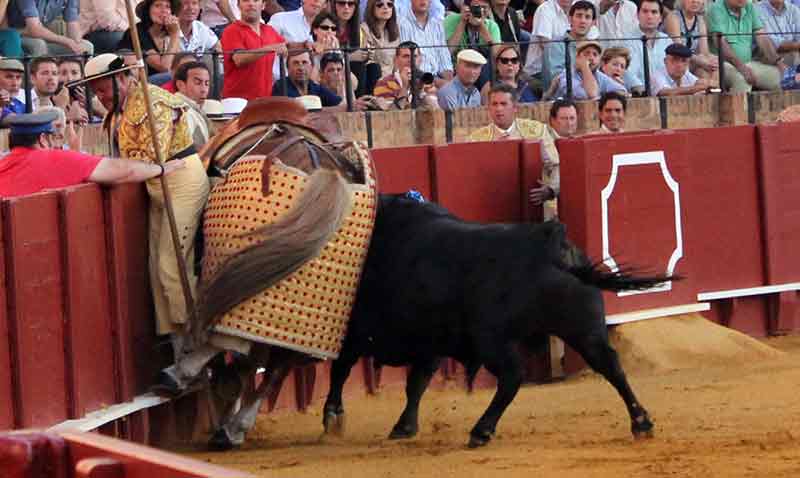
[280,249]
[622,279]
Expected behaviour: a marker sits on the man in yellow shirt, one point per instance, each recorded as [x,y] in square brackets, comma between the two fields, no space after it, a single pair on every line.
[130,137]
[505,125]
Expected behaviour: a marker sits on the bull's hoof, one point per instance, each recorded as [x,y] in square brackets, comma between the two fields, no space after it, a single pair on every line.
[642,427]
[220,441]
[403,431]
[479,440]
[334,423]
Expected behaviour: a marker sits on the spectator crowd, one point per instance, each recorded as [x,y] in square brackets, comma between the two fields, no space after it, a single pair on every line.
[396,54]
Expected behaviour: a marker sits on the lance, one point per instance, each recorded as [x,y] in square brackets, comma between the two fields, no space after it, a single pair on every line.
[173,227]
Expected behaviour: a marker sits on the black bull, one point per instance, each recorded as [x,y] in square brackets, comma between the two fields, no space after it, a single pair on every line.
[435,286]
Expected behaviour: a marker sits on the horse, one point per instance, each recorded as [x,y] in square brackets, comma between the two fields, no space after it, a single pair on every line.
[290,213]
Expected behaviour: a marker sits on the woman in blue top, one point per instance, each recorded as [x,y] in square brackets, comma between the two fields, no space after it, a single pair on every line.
[508,70]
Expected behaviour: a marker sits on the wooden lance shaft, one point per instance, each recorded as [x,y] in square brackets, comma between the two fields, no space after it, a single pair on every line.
[173,227]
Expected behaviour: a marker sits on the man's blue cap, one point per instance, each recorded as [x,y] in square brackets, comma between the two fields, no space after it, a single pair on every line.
[33,123]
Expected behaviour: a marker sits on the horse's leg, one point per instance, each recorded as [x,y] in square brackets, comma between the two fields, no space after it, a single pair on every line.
[416,383]
[504,363]
[228,382]
[598,353]
[278,363]
[333,418]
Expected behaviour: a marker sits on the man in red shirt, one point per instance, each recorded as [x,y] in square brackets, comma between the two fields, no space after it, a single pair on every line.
[249,75]
[32,165]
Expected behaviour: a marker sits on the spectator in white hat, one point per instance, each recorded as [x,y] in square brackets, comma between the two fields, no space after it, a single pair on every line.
[461,92]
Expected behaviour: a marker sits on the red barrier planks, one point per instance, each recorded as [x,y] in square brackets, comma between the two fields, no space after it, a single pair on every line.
[87,306]
[401,169]
[725,206]
[27,454]
[479,181]
[6,378]
[530,175]
[131,303]
[36,317]
[622,192]
[780,183]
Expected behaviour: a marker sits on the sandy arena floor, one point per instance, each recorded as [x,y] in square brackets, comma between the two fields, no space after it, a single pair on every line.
[738,417]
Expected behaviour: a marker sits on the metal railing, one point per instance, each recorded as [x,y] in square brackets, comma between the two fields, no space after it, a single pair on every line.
[217,75]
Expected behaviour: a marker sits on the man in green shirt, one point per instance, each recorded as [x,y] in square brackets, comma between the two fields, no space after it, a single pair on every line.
[468,30]
[740,20]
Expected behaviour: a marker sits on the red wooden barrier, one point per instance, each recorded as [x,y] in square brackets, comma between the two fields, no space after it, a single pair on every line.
[6,379]
[780,183]
[725,209]
[479,181]
[401,169]
[90,341]
[27,454]
[137,357]
[620,198]
[35,295]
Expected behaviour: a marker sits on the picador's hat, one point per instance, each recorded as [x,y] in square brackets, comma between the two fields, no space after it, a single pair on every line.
[33,123]
[102,65]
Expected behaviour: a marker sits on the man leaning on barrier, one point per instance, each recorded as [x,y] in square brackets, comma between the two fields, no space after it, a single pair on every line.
[505,125]
[563,119]
[131,138]
[34,165]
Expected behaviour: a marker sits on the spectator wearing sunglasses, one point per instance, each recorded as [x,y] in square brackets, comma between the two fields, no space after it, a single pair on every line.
[350,36]
[380,31]
[507,68]
[323,32]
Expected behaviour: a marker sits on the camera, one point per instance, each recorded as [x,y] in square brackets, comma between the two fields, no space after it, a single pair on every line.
[424,77]
[476,11]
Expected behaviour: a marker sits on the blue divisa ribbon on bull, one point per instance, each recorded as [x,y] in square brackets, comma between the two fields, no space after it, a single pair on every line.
[415,195]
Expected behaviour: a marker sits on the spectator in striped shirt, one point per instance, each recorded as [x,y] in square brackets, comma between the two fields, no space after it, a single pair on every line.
[418,26]
[394,89]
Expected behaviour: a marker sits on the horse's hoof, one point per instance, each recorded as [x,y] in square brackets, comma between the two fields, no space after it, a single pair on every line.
[334,423]
[477,441]
[402,432]
[220,441]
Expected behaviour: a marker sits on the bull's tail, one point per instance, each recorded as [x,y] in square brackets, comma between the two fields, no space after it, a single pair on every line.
[280,248]
[622,279]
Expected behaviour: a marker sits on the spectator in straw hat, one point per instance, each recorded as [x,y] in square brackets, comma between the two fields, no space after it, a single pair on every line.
[588,82]
[461,91]
[11,72]
[582,15]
